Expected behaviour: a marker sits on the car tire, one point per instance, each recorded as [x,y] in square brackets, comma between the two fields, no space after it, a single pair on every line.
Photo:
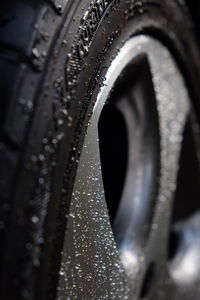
[54,56]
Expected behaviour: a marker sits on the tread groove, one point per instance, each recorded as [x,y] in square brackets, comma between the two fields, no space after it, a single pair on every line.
[16,56]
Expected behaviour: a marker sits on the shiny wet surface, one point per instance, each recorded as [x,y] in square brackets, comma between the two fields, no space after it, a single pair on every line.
[93,267]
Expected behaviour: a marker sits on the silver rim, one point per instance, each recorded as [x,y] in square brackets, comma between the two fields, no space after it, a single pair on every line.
[97,264]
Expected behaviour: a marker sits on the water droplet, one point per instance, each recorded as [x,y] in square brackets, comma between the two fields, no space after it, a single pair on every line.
[34,219]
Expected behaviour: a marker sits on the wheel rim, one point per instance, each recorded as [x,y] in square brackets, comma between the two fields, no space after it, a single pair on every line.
[104,262]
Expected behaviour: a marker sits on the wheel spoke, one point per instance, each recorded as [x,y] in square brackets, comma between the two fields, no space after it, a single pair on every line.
[91,259]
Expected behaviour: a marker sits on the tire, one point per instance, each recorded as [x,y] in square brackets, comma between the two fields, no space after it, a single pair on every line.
[53,59]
